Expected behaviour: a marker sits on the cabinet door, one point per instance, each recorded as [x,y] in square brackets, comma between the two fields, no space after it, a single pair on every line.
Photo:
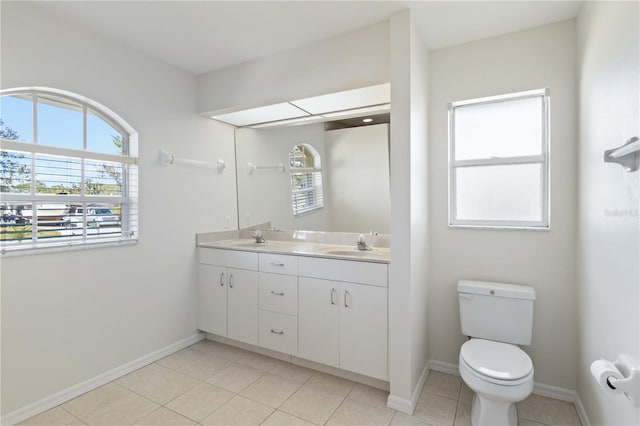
[212,299]
[363,330]
[319,321]
[242,305]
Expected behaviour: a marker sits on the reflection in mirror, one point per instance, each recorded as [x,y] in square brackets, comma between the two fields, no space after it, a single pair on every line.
[336,180]
[306,179]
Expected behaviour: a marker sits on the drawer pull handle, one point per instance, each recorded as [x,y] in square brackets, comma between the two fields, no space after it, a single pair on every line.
[231,281]
[277,293]
[277,264]
[222,279]
[277,331]
[333,294]
[347,296]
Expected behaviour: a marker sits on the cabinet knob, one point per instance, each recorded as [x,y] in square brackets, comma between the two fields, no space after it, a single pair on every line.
[347,296]
[333,296]
[277,331]
[277,264]
[222,279]
[277,293]
[231,281]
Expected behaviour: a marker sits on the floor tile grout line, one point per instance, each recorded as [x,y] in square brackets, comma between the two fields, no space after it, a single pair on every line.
[339,405]
[198,421]
[533,420]
[289,414]
[68,412]
[110,402]
[441,396]
[159,403]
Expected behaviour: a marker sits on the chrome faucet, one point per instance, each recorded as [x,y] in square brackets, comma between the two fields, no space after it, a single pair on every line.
[362,244]
[257,235]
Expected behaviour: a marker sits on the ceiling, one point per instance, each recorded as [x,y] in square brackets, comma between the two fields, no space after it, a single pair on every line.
[203,36]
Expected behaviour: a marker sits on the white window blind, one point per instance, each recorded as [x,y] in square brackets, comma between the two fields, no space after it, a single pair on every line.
[68,173]
[306,179]
[499,162]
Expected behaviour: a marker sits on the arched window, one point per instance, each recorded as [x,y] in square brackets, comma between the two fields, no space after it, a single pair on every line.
[68,172]
[306,179]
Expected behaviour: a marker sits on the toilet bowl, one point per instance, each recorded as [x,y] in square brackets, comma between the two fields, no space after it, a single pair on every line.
[500,374]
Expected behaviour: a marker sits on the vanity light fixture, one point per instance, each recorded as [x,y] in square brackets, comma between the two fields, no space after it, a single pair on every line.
[275,112]
[359,112]
[348,99]
[291,122]
[346,104]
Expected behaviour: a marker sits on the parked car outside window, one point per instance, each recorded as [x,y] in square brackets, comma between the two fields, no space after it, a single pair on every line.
[96,217]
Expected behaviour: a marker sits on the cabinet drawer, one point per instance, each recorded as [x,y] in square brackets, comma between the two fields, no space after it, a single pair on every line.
[344,270]
[229,258]
[278,332]
[279,263]
[279,293]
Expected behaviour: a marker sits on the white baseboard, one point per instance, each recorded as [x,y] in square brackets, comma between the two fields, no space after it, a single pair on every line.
[582,413]
[555,392]
[404,405]
[444,367]
[69,393]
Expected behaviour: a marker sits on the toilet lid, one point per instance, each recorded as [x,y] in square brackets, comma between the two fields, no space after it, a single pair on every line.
[495,359]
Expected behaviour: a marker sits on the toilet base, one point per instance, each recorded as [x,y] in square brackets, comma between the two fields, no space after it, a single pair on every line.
[490,412]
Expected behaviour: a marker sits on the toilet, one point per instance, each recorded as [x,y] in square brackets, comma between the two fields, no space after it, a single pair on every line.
[497,317]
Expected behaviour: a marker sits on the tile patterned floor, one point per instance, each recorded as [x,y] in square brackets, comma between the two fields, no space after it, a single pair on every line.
[214,384]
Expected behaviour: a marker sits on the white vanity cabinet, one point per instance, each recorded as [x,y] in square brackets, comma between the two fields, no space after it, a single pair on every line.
[341,323]
[330,311]
[228,294]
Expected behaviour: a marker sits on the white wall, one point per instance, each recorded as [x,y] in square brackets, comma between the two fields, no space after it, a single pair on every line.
[408,271]
[355,59]
[67,317]
[609,227]
[420,201]
[357,171]
[531,59]
[265,195]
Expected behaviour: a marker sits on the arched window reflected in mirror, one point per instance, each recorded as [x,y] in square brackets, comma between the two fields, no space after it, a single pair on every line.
[306,179]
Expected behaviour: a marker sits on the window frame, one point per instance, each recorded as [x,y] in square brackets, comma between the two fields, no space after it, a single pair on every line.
[543,159]
[128,198]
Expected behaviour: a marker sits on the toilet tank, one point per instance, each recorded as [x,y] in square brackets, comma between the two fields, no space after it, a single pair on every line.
[496,311]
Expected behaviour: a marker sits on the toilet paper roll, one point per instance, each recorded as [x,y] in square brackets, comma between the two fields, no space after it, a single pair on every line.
[601,370]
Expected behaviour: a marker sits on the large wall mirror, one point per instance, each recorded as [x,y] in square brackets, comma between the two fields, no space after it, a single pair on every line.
[325,176]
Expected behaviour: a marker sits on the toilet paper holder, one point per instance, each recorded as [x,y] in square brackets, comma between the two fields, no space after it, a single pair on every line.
[629,384]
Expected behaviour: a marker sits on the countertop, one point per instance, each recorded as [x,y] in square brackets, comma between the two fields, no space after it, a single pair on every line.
[304,248]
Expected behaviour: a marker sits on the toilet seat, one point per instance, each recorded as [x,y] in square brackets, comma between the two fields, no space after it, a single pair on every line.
[497,362]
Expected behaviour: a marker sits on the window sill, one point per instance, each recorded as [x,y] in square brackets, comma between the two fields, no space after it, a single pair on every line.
[313,210]
[501,227]
[29,249]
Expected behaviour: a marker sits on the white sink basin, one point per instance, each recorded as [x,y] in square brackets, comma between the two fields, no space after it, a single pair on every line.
[356,252]
[247,243]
